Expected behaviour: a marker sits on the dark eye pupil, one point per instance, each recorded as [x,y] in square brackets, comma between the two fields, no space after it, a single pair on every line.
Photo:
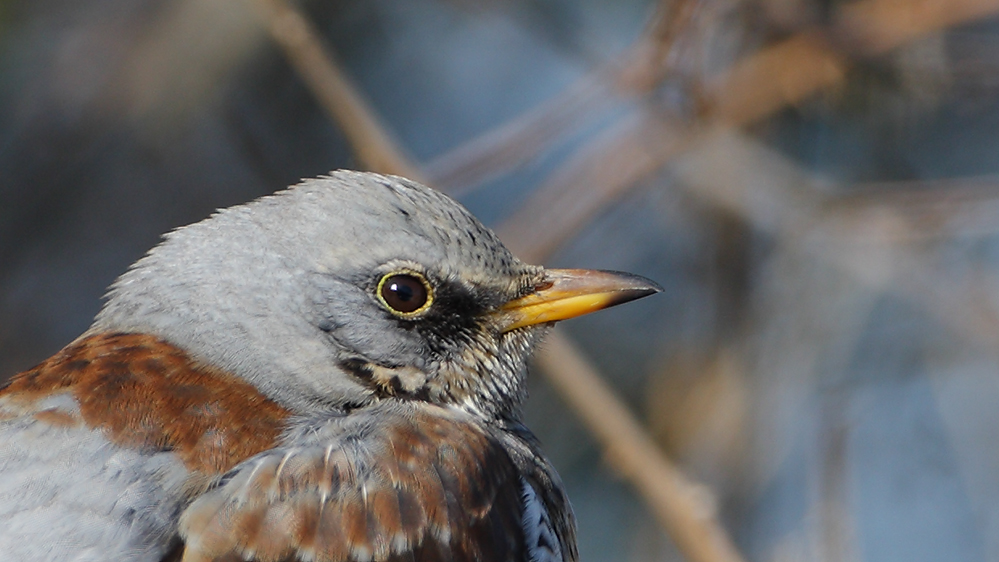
[404,293]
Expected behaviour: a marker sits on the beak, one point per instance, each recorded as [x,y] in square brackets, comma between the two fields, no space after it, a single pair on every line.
[568,293]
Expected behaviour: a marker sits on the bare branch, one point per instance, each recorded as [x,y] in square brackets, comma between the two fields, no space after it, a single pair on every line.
[374,146]
[597,175]
[524,138]
[686,510]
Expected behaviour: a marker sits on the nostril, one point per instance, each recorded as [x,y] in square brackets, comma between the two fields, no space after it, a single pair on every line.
[544,285]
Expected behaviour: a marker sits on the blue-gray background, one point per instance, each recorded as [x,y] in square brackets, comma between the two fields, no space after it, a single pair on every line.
[831,373]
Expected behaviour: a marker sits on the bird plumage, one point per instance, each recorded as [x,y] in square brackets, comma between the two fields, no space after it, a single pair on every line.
[334,372]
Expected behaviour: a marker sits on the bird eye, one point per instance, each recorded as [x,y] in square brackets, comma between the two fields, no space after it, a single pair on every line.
[405,294]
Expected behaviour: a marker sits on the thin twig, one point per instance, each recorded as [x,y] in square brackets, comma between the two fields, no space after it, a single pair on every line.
[594,177]
[518,141]
[876,26]
[651,59]
[781,75]
[522,139]
[765,190]
[929,209]
[752,89]
[374,146]
[686,510]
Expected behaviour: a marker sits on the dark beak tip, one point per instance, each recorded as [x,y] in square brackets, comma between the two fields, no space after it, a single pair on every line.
[634,294]
[640,286]
[653,287]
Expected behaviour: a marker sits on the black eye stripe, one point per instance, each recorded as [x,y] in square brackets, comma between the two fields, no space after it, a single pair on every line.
[405,293]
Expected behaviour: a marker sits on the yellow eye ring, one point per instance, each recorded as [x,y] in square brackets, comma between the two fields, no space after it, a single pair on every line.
[405,293]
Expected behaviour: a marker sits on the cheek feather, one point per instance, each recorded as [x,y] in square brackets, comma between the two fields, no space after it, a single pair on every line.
[147,394]
[486,375]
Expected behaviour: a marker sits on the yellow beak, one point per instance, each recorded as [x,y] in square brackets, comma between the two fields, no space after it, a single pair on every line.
[568,293]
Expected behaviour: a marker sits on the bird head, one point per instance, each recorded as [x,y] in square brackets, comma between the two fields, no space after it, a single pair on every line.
[353,288]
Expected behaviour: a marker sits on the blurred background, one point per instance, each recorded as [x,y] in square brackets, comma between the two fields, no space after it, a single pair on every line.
[814,183]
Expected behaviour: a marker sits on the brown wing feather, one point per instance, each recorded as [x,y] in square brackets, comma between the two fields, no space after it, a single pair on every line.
[408,482]
[147,394]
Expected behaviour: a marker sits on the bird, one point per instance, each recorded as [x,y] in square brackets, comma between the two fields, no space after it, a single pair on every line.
[332,372]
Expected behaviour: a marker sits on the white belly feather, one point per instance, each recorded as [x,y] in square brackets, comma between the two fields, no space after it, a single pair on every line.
[68,494]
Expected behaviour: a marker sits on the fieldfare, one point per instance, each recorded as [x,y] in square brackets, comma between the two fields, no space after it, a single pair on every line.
[331,373]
